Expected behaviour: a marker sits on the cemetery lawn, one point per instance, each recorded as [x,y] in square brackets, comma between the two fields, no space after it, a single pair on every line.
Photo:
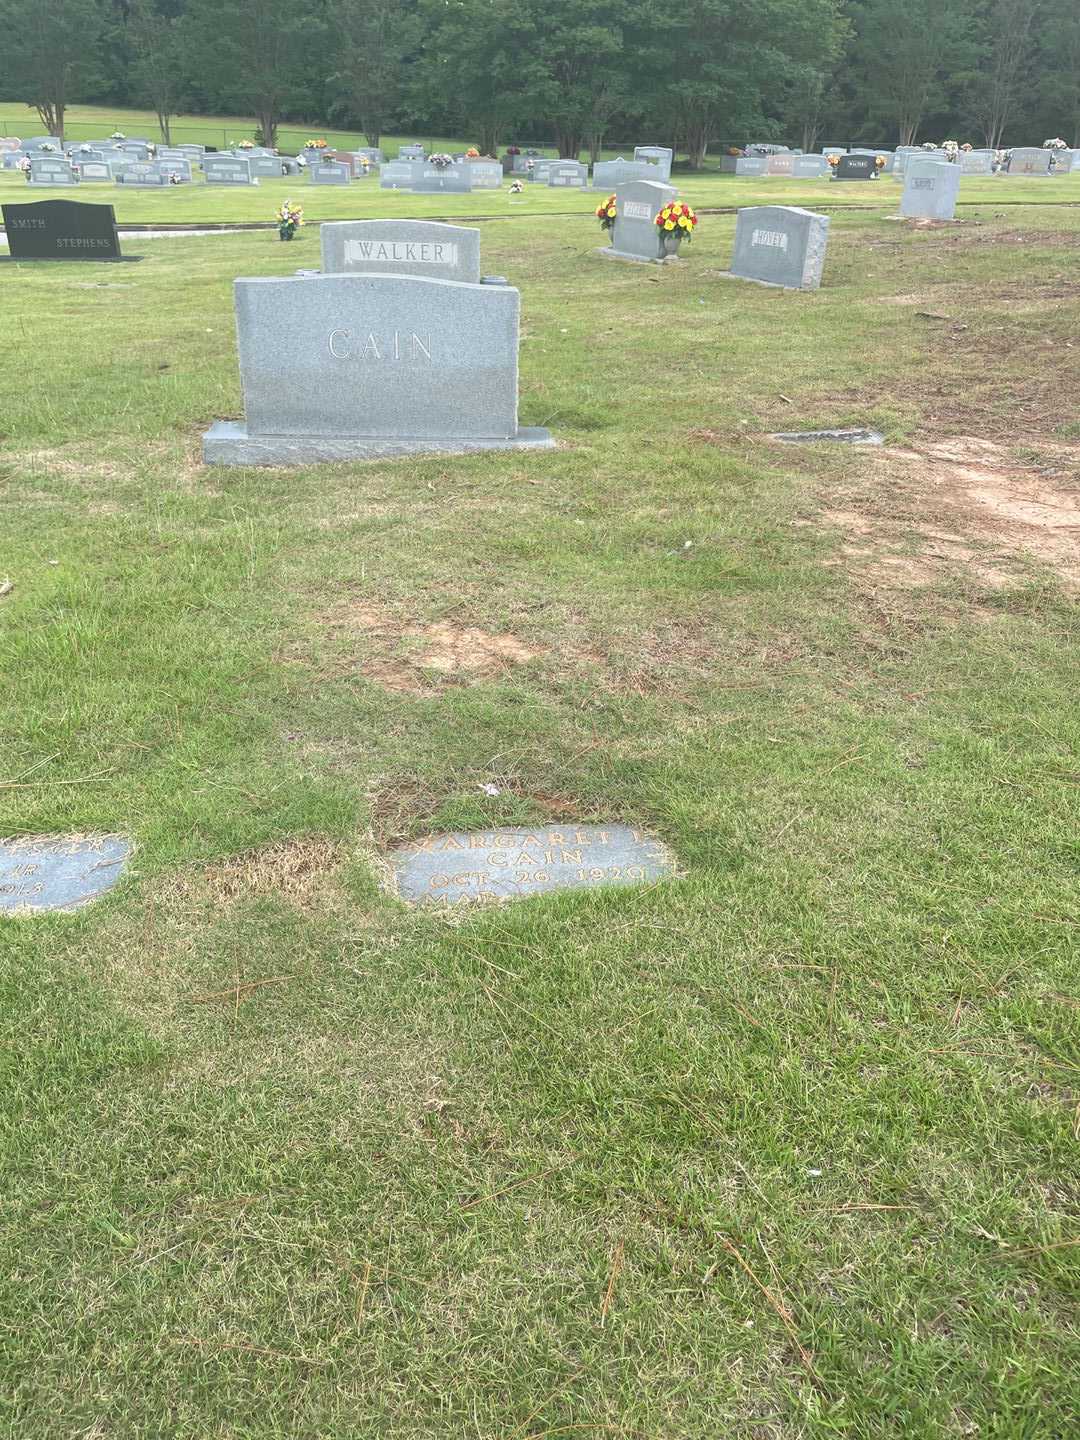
[785,1147]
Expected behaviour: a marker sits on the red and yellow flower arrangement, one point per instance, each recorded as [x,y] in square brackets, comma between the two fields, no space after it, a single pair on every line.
[677,218]
[605,213]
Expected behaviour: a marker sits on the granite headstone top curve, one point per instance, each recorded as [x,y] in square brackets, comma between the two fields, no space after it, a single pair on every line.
[39,873]
[455,870]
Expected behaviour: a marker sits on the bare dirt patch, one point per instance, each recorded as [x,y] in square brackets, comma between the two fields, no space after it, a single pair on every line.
[959,505]
[293,870]
[412,659]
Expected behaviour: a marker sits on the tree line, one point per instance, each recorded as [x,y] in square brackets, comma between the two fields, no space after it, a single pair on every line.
[575,73]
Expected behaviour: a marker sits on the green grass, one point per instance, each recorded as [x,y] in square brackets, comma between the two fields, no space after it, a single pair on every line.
[389,1194]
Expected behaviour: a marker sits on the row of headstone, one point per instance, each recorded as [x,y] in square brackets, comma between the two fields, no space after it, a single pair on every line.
[394,348]
[423,178]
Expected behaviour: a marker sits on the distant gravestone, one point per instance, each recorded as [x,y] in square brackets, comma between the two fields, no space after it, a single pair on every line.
[608,175]
[855,167]
[61,230]
[58,872]
[782,164]
[450,179]
[329,172]
[452,871]
[411,152]
[750,165]
[371,153]
[95,172]
[658,156]
[1029,161]
[809,167]
[266,167]
[142,173]
[834,149]
[485,174]
[52,170]
[976,162]
[636,235]
[780,245]
[930,190]
[399,174]
[537,173]
[227,170]
[568,174]
[178,165]
[345,367]
[401,247]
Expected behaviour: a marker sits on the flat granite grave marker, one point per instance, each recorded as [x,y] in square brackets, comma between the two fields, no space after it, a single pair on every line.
[58,872]
[636,235]
[61,230]
[780,245]
[930,190]
[355,367]
[401,247]
[452,871]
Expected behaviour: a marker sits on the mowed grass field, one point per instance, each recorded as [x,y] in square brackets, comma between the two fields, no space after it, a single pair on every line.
[784,1147]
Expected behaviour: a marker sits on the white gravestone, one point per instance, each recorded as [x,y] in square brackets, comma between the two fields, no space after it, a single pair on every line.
[930,190]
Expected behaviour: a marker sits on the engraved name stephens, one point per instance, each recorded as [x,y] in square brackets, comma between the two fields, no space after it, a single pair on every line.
[397,345]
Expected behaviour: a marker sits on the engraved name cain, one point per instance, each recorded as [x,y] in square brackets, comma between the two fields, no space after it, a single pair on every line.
[397,345]
[773,239]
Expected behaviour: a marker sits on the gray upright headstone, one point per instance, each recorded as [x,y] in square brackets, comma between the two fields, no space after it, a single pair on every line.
[565,174]
[52,170]
[856,167]
[659,156]
[448,179]
[329,172]
[780,245]
[809,167]
[399,174]
[930,190]
[484,174]
[782,164]
[976,162]
[338,367]
[751,165]
[1026,160]
[227,170]
[636,235]
[401,247]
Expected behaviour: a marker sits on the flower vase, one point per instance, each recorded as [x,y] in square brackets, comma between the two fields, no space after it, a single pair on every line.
[670,241]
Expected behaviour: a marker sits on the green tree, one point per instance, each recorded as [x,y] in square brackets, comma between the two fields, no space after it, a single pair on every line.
[252,55]
[1008,69]
[374,42]
[53,54]
[911,58]
[158,58]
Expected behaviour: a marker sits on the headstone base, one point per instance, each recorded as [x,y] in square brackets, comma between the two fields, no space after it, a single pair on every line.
[752,280]
[227,442]
[610,253]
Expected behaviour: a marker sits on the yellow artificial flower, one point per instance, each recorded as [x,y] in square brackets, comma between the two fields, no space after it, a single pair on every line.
[611,213]
[669,224]
[683,221]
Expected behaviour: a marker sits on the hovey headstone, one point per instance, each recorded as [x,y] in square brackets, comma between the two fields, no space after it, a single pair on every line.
[58,872]
[780,245]
[61,230]
[401,247]
[452,871]
[636,235]
[339,367]
[930,190]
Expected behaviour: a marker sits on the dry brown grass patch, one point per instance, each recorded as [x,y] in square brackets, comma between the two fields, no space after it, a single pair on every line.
[293,870]
[961,506]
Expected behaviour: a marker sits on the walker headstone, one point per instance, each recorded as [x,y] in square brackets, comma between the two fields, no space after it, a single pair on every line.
[401,247]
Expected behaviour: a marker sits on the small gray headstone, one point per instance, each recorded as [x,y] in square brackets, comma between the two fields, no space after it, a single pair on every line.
[780,245]
[450,180]
[568,173]
[782,164]
[453,871]
[399,174]
[608,175]
[485,174]
[401,247]
[58,872]
[976,162]
[751,165]
[636,235]
[809,167]
[227,170]
[94,172]
[329,172]
[52,170]
[930,190]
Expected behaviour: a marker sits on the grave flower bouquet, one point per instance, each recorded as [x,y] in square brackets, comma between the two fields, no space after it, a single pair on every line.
[833,160]
[880,162]
[513,150]
[24,166]
[440,160]
[605,213]
[246,145]
[117,135]
[677,218]
[289,219]
[1057,144]
[472,153]
[952,150]
[517,187]
[315,144]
